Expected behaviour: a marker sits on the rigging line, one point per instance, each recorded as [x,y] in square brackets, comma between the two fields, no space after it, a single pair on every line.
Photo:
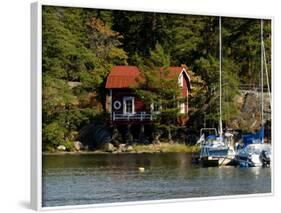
[262,104]
[266,72]
[220,55]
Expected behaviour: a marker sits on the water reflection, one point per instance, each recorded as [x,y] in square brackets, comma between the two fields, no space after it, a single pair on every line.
[102,178]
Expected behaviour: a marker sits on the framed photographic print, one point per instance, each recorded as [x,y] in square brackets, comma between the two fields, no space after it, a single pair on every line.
[137,106]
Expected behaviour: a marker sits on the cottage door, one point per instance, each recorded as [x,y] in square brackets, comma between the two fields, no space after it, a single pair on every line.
[129,107]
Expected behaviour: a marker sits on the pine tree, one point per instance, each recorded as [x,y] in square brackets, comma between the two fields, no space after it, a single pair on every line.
[157,88]
[79,49]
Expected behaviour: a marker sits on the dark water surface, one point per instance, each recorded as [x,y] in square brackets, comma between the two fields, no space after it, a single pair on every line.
[105,178]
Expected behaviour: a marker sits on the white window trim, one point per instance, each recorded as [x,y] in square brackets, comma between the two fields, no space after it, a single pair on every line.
[110,104]
[125,107]
[110,101]
[118,107]
[182,107]
[153,110]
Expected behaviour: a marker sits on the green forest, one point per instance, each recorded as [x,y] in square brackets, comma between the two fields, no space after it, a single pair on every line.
[79,47]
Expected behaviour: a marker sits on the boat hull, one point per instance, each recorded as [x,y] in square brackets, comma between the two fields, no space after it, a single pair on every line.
[217,161]
[254,155]
[249,163]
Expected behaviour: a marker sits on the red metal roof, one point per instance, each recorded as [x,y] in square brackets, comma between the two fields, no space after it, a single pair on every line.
[126,76]
[173,71]
[122,77]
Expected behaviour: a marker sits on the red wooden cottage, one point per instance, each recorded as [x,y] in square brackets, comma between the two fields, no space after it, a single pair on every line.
[125,106]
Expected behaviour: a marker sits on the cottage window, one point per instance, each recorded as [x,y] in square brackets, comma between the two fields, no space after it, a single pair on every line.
[156,107]
[182,108]
[128,105]
[117,105]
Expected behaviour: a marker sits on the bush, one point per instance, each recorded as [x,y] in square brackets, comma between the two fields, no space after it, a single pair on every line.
[164,130]
[53,135]
[69,146]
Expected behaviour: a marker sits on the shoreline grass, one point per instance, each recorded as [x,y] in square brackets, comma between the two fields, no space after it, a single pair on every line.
[165,148]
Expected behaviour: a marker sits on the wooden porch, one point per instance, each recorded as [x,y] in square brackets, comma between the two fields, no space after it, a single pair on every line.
[139,116]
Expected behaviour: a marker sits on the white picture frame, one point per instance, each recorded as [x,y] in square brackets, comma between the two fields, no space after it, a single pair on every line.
[36,103]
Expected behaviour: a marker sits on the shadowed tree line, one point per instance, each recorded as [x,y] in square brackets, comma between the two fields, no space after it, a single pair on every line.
[81,45]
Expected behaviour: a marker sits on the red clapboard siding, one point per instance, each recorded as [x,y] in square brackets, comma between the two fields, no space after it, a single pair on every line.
[139,105]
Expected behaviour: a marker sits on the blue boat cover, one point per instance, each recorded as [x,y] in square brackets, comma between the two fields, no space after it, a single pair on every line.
[253,137]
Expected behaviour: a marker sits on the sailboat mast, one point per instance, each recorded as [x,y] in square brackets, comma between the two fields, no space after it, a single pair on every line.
[261,72]
[266,73]
[220,56]
[262,104]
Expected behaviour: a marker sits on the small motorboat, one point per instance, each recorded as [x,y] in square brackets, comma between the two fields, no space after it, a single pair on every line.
[254,155]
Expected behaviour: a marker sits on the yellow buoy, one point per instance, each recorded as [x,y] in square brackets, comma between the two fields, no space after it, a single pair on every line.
[141,169]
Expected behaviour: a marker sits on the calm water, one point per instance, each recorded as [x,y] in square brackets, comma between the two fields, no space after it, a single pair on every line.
[103,178]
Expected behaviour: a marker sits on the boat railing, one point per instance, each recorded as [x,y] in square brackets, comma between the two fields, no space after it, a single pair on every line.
[208,130]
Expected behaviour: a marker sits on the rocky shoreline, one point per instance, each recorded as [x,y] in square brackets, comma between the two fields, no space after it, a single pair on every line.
[134,149]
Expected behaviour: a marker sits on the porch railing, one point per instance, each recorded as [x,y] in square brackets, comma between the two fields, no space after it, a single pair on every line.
[140,116]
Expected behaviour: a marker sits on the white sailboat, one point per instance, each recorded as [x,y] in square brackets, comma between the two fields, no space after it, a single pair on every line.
[257,153]
[214,151]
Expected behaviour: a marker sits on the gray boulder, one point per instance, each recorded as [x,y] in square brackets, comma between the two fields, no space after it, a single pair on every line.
[108,147]
[129,149]
[78,145]
[122,147]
